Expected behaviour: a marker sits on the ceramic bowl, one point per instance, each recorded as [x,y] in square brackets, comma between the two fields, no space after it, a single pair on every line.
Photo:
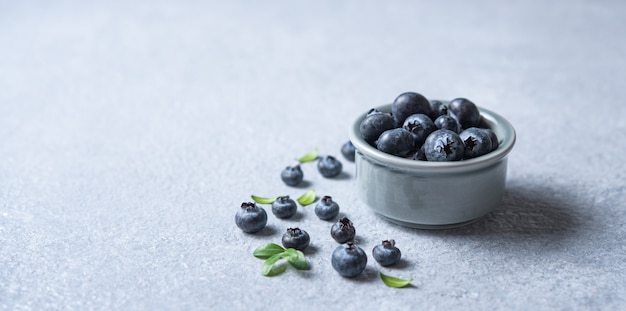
[433,195]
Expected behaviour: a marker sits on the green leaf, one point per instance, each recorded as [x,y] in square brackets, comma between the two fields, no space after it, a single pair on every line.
[296,258]
[261,200]
[268,250]
[307,198]
[309,157]
[270,268]
[393,281]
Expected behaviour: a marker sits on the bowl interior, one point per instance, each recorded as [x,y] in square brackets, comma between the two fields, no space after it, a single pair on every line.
[502,128]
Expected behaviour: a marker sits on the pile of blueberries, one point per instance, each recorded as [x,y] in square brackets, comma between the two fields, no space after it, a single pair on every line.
[348,259]
[429,130]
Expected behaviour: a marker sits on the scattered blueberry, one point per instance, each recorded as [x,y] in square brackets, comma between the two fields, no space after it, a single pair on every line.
[343,230]
[326,208]
[386,253]
[447,122]
[284,207]
[437,108]
[465,112]
[477,142]
[374,124]
[349,260]
[329,166]
[348,151]
[406,104]
[420,125]
[443,145]
[296,238]
[398,141]
[292,175]
[251,218]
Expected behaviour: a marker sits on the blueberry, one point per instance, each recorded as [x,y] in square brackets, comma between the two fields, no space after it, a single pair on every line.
[343,230]
[348,151]
[398,141]
[386,253]
[420,125]
[375,111]
[326,208]
[465,112]
[407,104]
[251,218]
[349,260]
[296,238]
[437,108]
[284,207]
[443,145]
[329,166]
[292,175]
[374,124]
[418,155]
[477,142]
[447,122]
[493,137]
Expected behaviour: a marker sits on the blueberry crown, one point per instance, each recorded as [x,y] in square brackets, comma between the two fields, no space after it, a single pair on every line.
[293,231]
[345,222]
[389,243]
[248,205]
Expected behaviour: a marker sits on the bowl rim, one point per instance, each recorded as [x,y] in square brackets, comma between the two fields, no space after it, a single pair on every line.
[503,128]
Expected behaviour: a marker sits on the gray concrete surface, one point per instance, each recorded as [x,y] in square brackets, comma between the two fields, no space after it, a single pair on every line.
[131,131]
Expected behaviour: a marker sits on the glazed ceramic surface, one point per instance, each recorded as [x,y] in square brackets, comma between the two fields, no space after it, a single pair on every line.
[433,195]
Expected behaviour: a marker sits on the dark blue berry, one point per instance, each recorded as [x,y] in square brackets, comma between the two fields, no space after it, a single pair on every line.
[374,124]
[251,218]
[343,230]
[465,111]
[437,108]
[284,207]
[407,104]
[477,142]
[326,208]
[420,125]
[349,260]
[493,137]
[386,253]
[443,145]
[418,155]
[447,122]
[292,175]
[398,141]
[296,238]
[329,166]
[375,111]
[348,151]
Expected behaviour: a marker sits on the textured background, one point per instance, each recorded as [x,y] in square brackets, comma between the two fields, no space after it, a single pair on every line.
[130,133]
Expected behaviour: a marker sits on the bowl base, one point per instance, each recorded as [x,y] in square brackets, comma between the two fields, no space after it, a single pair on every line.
[428,227]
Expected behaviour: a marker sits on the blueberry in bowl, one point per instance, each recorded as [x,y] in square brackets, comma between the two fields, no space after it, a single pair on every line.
[448,181]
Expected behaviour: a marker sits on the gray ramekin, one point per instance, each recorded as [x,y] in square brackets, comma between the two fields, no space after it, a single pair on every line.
[432,195]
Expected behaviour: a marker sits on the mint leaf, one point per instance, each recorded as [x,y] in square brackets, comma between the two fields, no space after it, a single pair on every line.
[273,253]
[268,250]
[296,258]
[309,157]
[307,198]
[261,200]
[393,281]
[270,268]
